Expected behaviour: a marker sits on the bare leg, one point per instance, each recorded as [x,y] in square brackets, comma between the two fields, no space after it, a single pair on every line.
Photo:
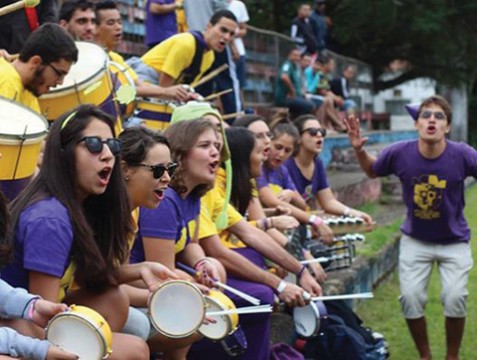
[418,329]
[454,332]
[128,347]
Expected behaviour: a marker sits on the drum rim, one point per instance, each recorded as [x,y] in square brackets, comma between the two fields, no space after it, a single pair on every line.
[106,349]
[154,322]
[31,111]
[316,311]
[67,89]
[228,317]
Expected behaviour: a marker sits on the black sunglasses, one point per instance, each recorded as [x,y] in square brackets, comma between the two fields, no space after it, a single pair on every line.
[94,144]
[159,170]
[315,131]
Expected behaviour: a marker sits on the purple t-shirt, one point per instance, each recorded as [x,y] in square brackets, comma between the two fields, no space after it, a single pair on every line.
[43,242]
[277,179]
[433,189]
[308,188]
[173,219]
[160,27]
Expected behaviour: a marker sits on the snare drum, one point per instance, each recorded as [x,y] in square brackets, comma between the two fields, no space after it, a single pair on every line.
[87,82]
[177,309]
[226,324]
[156,114]
[21,134]
[311,319]
[120,77]
[81,331]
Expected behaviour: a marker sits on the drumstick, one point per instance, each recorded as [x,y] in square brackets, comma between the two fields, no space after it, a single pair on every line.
[323,259]
[232,115]
[367,295]
[217,283]
[216,95]
[210,75]
[244,310]
[18,5]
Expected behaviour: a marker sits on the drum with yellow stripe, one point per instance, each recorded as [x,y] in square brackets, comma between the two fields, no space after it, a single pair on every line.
[81,331]
[155,114]
[87,82]
[225,324]
[120,79]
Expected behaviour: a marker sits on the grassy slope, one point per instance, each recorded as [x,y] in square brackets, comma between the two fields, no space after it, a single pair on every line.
[383,313]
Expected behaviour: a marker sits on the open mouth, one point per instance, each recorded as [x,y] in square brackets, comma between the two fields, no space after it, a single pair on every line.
[159,194]
[104,175]
[213,166]
[431,129]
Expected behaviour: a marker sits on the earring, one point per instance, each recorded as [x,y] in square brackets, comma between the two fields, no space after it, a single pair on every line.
[126,178]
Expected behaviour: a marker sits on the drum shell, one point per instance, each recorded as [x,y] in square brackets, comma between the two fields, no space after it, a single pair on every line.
[220,302]
[311,319]
[93,319]
[93,89]
[119,77]
[20,149]
[156,115]
[177,310]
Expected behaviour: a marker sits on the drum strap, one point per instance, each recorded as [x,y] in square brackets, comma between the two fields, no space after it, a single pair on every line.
[190,73]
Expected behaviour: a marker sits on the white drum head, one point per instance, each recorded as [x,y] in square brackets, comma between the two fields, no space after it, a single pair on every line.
[92,60]
[221,328]
[18,120]
[74,334]
[306,321]
[177,309]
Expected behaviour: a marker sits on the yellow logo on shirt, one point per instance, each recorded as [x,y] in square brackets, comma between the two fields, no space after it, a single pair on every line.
[428,191]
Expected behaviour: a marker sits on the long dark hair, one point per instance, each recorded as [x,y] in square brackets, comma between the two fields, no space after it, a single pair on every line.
[182,137]
[5,246]
[101,223]
[241,143]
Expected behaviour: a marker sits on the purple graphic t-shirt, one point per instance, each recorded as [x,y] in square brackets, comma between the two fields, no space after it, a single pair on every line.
[433,189]
[277,179]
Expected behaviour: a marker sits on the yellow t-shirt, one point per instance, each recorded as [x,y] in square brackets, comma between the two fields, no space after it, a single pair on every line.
[211,206]
[175,54]
[11,87]
[114,56]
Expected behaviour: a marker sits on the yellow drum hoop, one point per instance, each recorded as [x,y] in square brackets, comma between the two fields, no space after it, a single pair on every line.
[76,313]
[225,303]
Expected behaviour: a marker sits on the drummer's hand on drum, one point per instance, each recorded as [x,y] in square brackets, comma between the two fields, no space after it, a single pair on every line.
[55,353]
[368,220]
[292,295]
[152,272]
[181,93]
[308,283]
[44,310]
[319,272]
[284,222]
[324,232]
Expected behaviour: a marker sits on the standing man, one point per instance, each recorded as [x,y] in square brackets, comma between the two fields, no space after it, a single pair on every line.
[161,20]
[432,171]
[303,30]
[320,29]
[78,18]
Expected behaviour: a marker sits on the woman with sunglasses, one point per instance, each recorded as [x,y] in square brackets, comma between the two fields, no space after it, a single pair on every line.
[71,230]
[308,173]
[168,233]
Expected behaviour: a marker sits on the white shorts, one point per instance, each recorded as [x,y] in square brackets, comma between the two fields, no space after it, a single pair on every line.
[416,260]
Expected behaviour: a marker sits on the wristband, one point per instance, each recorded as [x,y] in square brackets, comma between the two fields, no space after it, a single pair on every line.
[281,286]
[315,221]
[30,309]
[264,224]
[346,211]
[300,273]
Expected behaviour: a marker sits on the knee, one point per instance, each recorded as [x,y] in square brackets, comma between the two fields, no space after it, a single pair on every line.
[412,303]
[137,324]
[455,303]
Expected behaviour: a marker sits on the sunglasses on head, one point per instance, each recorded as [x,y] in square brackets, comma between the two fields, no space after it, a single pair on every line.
[439,115]
[159,170]
[315,131]
[94,144]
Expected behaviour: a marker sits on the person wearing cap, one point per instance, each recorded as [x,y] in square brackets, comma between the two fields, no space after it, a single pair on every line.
[432,170]
[243,273]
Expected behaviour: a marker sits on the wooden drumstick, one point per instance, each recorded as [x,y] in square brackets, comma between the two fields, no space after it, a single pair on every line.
[18,5]
[216,95]
[232,115]
[210,75]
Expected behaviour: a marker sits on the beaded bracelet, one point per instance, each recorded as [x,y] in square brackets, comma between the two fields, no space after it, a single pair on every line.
[201,262]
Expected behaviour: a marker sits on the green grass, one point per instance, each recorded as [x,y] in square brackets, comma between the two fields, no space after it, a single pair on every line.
[383,313]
